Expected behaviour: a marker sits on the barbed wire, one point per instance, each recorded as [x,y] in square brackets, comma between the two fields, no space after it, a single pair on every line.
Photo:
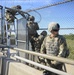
[50,5]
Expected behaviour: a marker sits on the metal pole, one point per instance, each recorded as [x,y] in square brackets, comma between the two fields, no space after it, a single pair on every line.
[2,25]
[27,37]
[8,44]
[64,60]
[21,41]
[42,66]
[49,5]
[17,31]
[60,28]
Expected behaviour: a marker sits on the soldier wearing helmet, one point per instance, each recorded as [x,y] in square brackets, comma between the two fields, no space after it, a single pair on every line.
[32,30]
[31,18]
[10,14]
[55,45]
[37,44]
[32,26]
[39,40]
[17,7]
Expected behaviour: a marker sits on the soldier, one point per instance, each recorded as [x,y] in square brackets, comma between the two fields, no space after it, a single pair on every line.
[55,45]
[31,18]
[10,14]
[37,45]
[32,30]
[32,33]
[39,41]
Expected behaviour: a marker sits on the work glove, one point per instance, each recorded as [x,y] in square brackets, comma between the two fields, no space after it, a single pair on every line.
[55,63]
[41,60]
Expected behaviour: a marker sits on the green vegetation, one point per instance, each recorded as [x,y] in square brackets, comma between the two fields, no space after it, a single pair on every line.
[70,43]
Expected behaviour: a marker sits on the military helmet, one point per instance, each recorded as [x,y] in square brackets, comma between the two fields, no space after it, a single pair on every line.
[31,18]
[53,26]
[44,33]
[18,7]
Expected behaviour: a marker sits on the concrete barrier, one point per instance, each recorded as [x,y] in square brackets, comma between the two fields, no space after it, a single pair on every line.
[21,69]
[11,67]
[69,69]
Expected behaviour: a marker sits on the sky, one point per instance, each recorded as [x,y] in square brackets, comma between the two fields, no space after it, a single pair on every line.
[63,14]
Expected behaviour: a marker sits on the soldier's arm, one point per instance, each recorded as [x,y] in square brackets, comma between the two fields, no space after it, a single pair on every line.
[62,47]
[43,49]
[62,50]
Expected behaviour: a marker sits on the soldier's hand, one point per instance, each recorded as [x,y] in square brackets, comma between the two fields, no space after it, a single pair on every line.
[55,63]
[41,59]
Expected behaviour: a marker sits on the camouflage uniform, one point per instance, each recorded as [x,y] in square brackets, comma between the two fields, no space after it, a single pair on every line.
[32,27]
[39,41]
[32,33]
[10,14]
[55,46]
[37,45]
[32,30]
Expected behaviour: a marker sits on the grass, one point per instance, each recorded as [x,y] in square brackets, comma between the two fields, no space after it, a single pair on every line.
[70,44]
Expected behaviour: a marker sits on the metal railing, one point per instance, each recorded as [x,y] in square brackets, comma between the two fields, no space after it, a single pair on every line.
[42,66]
[64,60]
[21,41]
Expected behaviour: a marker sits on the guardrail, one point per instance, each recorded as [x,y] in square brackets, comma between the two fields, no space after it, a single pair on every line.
[64,60]
[42,66]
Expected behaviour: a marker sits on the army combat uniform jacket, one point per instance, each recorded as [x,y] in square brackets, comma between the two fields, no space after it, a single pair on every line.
[54,46]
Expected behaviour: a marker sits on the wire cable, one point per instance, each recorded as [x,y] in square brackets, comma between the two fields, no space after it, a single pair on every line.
[50,5]
[39,15]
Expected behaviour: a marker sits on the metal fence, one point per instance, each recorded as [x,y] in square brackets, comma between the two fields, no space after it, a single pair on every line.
[21,32]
